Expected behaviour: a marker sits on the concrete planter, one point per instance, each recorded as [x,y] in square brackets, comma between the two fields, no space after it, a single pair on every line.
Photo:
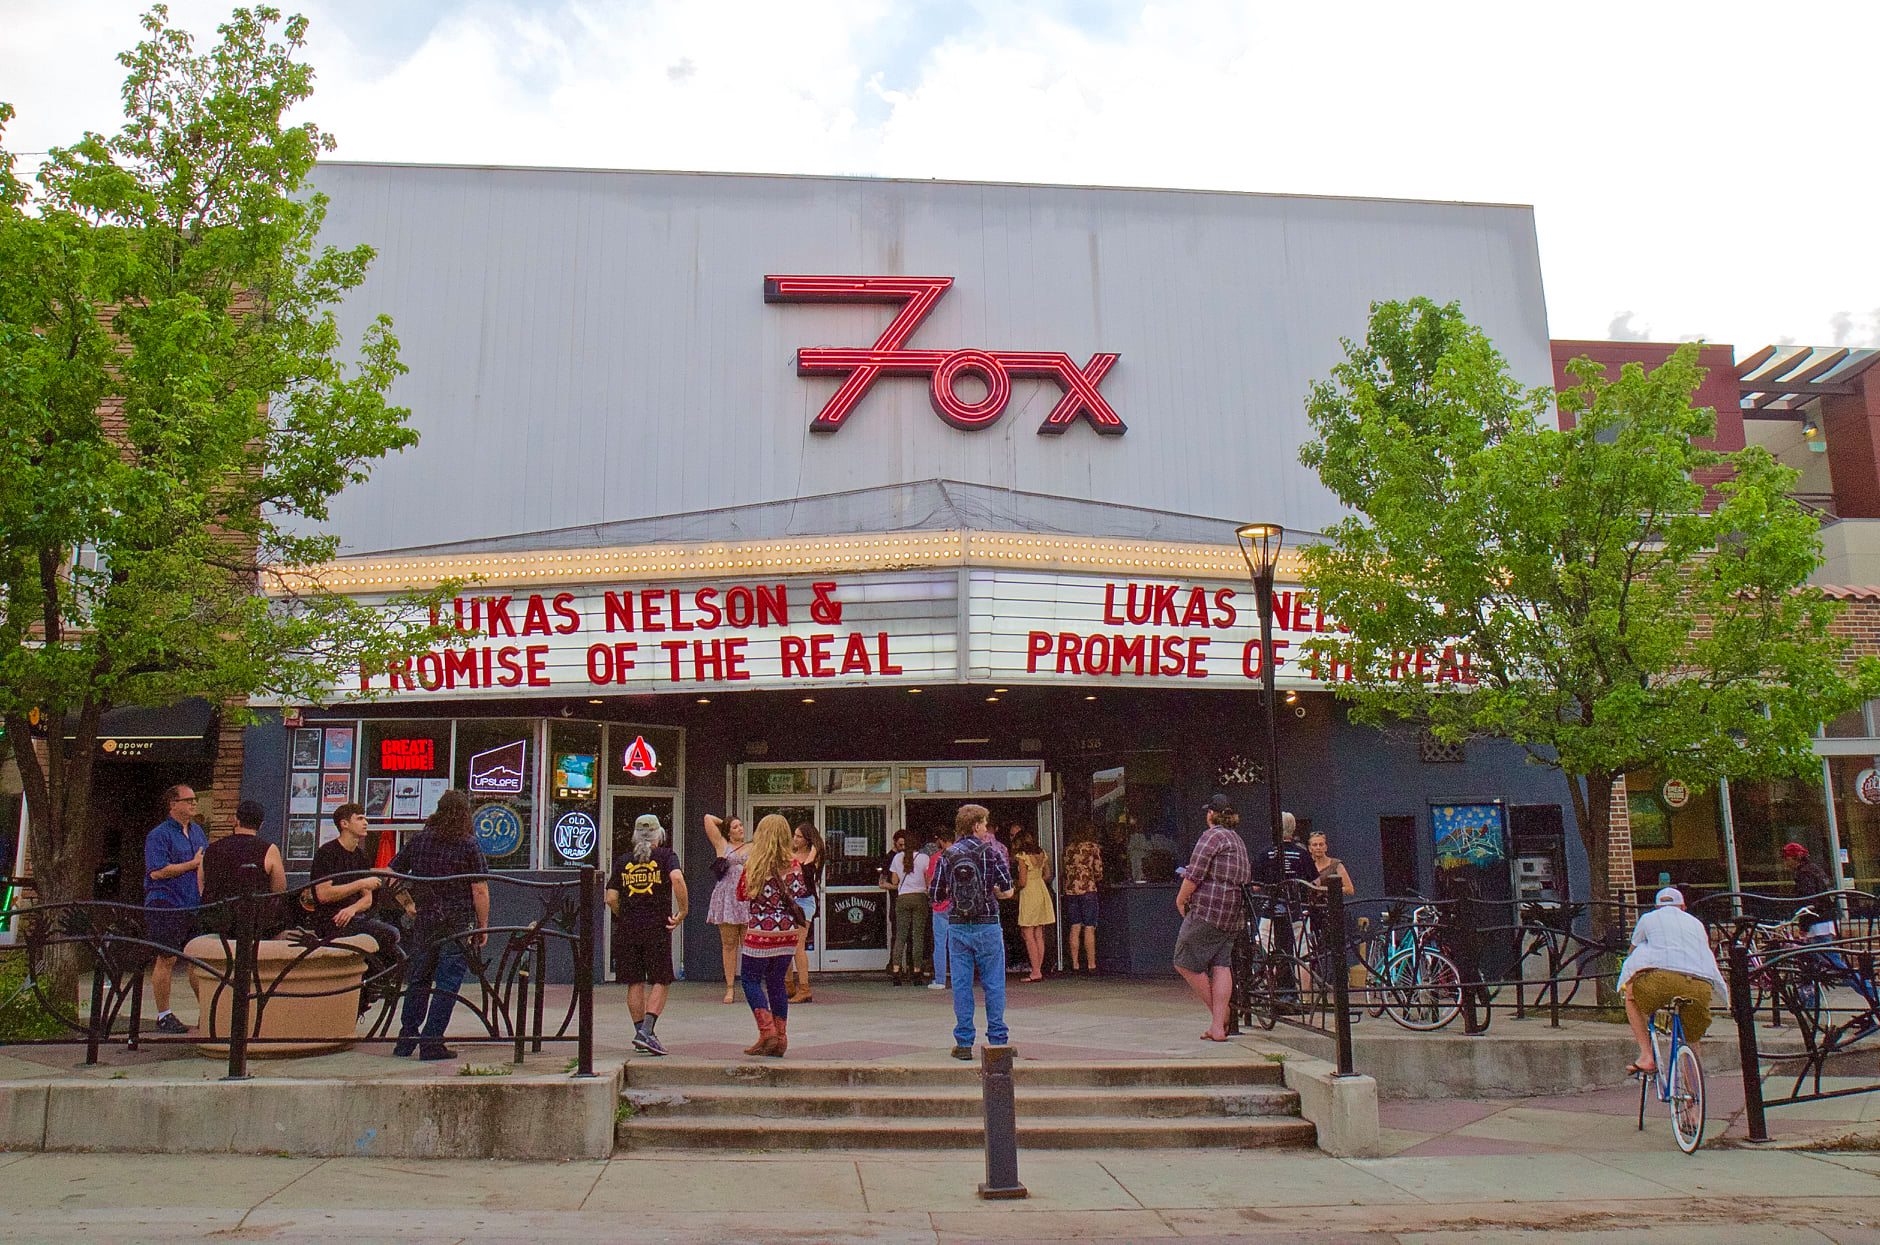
[331,974]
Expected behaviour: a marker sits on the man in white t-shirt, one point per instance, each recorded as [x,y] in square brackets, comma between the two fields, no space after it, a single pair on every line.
[1670,959]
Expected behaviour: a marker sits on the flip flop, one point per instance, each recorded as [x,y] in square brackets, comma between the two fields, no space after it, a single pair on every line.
[1209,1037]
[1633,1069]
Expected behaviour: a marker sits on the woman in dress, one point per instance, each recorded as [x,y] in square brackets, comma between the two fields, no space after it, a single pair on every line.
[726,910]
[806,849]
[772,886]
[1083,873]
[1035,911]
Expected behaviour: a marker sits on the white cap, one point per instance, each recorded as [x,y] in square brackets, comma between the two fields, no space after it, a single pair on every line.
[1670,897]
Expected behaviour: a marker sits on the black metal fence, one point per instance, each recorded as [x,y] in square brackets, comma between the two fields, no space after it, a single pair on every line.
[504,986]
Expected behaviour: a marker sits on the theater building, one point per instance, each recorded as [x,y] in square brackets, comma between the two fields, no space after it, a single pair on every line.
[855,500]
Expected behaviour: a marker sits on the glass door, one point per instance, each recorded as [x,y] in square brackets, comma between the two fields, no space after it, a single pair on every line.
[856,913]
[623,809]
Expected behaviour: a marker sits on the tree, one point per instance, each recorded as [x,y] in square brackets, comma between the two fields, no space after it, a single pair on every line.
[177,408]
[1614,612]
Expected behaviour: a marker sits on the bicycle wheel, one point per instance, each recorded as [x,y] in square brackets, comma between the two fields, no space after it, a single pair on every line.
[1687,1099]
[1428,993]
[1265,989]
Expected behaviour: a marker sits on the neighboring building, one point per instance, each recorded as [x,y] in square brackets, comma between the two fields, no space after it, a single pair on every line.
[708,585]
[1817,410]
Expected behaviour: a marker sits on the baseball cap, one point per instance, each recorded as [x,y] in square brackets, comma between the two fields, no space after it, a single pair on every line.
[1794,851]
[1218,804]
[1670,897]
[647,821]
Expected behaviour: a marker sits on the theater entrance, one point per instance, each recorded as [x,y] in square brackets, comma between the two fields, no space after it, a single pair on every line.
[860,807]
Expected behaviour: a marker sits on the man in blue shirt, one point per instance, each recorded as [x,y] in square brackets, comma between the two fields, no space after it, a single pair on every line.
[172,890]
[974,875]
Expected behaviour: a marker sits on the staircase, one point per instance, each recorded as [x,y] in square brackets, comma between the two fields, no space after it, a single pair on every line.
[770,1105]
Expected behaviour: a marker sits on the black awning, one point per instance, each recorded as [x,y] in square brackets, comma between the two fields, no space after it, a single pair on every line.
[178,732]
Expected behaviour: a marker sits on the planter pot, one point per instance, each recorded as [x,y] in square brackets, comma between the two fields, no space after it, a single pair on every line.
[327,1022]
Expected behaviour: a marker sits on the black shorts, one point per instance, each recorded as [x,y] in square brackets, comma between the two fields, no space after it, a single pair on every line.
[170,928]
[643,955]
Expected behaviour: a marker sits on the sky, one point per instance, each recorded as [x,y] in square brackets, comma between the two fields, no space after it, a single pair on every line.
[1696,170]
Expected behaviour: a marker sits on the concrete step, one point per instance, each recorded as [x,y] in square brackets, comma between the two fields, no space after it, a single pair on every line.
[958,1103]
[1027,1074]
[1036,1133]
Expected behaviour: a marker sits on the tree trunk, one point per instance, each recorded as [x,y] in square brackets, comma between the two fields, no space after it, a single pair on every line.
[1592,808]
[61,841]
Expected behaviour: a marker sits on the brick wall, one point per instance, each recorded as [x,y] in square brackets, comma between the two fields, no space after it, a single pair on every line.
[1619,847]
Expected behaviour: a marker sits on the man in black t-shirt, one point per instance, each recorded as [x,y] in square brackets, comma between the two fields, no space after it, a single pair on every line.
[645,887]
[341,908]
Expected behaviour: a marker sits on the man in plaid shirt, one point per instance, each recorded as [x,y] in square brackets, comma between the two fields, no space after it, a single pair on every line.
[1210,904]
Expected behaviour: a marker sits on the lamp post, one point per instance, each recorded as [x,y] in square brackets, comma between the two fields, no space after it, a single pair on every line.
[1260,545]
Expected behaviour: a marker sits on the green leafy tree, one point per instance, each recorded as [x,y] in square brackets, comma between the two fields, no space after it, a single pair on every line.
[1616,614]
[177,408]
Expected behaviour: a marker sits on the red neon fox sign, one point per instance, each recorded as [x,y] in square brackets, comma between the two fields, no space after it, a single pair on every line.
[887,357]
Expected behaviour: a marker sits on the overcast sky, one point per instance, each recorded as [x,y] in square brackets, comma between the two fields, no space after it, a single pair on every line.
[1696,169]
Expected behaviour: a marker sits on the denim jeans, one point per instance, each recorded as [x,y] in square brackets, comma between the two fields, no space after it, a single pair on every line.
[436,968]
[940,947]
[977,951]
[763,977]
[1849,975]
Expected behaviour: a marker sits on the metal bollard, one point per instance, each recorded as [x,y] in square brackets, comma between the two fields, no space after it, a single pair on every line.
[1001,1114]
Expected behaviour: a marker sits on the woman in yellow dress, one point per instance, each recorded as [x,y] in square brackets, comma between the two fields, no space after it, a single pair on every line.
[1035,911]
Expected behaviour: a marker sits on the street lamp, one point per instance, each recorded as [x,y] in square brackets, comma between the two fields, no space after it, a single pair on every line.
[1260,544]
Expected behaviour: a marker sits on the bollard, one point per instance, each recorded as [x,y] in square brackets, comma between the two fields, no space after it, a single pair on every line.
[584,973]
[519,1020]
[1340,972]
[241,993]
[1001,1116]
[1743,1011]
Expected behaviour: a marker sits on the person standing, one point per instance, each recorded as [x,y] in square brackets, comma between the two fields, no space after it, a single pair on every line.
[1036,914]
[725,909]
[943,839]
[449,914]
[774,888]
[1083,873]
[974,875]
[242,863]
[1326,866]
[907,871]
[648,900]
[1210,906]
[806,849]
[1282,867]
[173,852]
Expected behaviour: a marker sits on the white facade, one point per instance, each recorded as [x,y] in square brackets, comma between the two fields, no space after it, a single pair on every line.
[592,347]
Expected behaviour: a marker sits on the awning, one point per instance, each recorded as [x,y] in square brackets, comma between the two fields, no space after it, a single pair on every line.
[178,732]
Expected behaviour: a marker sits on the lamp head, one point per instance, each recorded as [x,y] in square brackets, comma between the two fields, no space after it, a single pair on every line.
[1260,545]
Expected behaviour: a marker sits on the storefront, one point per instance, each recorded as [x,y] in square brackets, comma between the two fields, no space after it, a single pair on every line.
[979,549]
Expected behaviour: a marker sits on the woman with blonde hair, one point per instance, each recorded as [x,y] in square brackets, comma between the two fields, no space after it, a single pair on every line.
[806,849]
[726,910]
[772,885]
[1035,910]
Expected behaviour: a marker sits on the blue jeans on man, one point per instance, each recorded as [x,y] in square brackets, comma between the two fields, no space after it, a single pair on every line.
[940,941]
[436,969]
[1849,975]
[977,950]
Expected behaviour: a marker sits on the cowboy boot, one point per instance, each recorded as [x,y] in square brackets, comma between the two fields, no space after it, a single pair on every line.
[802,992]
[766,1032]
[779,1038]
[789,980]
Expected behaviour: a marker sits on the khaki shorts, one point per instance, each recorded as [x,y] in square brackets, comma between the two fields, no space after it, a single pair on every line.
[1654,987]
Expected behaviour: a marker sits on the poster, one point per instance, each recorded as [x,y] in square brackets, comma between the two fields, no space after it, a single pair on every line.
[307,748]
[407,793]
[300,838]
[339,747]
[434,788]
[335,790]
[1651,820]
[378,799]
[1467,834]
[574,776]
[303,792]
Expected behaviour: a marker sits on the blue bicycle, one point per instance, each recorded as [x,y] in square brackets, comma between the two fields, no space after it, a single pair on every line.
[1679,1077]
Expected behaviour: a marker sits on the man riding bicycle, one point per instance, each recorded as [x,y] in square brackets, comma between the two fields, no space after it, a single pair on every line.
[1670,959]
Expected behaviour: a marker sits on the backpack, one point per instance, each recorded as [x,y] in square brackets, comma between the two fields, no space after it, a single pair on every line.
[966,882]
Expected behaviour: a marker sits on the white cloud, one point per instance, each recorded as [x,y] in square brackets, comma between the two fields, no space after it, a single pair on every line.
[1628,126]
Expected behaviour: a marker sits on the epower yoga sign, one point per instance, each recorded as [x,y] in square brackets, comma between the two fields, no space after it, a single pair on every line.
[888,628]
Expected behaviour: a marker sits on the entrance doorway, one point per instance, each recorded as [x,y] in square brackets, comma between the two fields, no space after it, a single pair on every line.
[623,808]
[860,807]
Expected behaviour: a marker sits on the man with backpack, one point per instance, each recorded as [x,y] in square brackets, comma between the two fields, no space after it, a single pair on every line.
[974,875]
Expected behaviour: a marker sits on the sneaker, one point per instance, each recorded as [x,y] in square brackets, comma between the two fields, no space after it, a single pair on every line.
[405,1047]
[436,1054]
[938,985]
[640,1041]
[650,1044]
[962,1052]
[170,1024]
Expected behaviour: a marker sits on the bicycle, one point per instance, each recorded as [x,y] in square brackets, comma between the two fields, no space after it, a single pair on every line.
[1682,1088]
[1411,981]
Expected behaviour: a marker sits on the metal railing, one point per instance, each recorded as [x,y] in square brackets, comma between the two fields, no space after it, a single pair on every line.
[504,986]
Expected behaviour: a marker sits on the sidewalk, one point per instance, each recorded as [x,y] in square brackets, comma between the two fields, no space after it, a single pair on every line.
[1256,1196]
